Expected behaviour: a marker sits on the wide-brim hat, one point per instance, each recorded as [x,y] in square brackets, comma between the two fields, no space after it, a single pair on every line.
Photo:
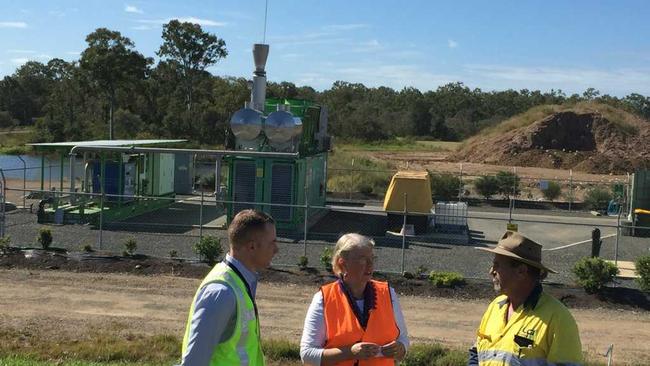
[520,248]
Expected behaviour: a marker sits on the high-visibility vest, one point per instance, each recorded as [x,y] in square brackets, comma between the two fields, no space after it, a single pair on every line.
[344,329]
[544,333]
[244,347]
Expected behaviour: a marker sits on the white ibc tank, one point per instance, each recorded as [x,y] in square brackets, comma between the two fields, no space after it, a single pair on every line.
[450,214]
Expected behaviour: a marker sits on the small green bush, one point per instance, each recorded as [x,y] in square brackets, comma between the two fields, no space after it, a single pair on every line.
[553,191]
[446,279]
[487,186]
[44,238]
[209,249]
[598,198]
[130,246]
[445,187]
[303,262]
[508,183]
[87,248]
[593,273]
[326,258]
[643,270]
[408,275]
[4,244]
[173,254]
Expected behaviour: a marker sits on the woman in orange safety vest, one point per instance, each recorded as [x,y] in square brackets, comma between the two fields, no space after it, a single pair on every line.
[354,320]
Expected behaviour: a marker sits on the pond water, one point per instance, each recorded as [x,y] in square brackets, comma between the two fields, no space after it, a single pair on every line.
[13,167]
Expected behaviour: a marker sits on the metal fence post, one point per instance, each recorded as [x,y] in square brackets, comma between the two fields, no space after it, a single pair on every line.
[201,217]
[24,178]
[570,188]
[3,192]
[618,234]
[304,239]
[101,220]
[404,233]
[460,188]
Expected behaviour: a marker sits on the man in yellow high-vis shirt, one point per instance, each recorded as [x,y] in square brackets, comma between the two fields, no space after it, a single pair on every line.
[523,325]
[223,326]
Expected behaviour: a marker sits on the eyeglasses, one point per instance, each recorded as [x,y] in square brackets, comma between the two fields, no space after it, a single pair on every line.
[365,259]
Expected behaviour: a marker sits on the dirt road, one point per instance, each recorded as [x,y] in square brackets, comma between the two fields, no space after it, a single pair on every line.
[70,305]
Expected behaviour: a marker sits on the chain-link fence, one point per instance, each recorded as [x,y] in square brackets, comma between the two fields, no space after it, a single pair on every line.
[416,242]
[436,241]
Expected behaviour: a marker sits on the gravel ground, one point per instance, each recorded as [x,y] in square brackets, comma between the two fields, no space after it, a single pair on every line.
[156,235]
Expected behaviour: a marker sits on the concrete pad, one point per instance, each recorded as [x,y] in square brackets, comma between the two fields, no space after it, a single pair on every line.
[626,269]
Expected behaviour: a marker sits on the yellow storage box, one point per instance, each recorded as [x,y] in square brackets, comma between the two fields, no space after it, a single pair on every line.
[417,187]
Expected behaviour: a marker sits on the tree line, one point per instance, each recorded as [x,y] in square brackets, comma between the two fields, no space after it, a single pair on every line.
[114,91]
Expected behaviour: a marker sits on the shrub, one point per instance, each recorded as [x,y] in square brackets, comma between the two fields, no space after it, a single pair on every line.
[209,249]
[643,270]
[598,198]
[130,246]
[421,270]
[553,191]
[508,183]
[87,248]
[303,262]
[4,244]
[326,258]
[173,254]
[423,354]
[446,279]
[408,275]
[593,273]
[445,187]
[45,238]
[487,186]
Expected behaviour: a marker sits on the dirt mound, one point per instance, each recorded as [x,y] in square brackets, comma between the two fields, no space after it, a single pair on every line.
[586,142]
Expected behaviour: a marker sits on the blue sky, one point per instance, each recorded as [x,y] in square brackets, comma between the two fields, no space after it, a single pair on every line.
[492,45]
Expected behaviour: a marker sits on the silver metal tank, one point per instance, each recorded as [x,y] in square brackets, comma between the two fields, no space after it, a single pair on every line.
[246,124]
[281,127]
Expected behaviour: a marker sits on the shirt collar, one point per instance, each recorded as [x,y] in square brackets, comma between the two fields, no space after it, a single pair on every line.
[249,276]
[531,300]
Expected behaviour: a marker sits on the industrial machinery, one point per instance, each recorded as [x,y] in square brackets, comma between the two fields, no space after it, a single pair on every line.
[288,172]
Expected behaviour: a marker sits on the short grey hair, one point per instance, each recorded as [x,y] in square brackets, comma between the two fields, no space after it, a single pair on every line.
[346,244]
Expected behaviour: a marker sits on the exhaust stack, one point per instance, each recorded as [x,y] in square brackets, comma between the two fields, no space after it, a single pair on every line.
[258,91]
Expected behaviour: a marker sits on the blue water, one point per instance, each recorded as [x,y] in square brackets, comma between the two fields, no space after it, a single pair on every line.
[13,167]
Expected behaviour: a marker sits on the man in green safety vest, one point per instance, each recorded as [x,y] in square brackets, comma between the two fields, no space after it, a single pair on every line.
[223,326]
[524,326]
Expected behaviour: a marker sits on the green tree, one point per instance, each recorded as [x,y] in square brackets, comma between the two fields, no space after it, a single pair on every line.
[112,62]
[192,49]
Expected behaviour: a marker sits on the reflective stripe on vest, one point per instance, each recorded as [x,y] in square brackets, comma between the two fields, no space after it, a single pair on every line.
[507,358]
[344,329]
[244,345]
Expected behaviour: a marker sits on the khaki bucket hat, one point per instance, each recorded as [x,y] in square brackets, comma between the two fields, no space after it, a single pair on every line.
[520,248]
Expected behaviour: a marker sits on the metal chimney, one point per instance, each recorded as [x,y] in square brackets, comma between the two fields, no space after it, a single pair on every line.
[258,92]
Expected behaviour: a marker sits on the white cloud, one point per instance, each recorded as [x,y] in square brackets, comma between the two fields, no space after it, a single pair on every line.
[143,27]
[344,27]
[13,25]
[73,53]
[19,61]
[570,79]
[369,46]
[201,22]
[20,51]
[132,9]
[451,43]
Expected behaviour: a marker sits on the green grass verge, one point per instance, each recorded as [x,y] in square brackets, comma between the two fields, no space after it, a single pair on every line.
[396,144]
